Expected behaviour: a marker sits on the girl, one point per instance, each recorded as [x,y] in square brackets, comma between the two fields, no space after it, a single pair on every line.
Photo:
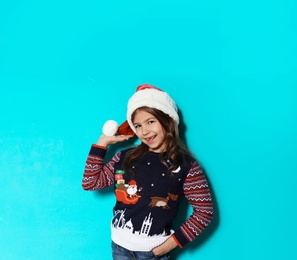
[150,180]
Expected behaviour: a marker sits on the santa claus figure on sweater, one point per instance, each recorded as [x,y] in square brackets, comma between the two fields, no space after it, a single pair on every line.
[132,189]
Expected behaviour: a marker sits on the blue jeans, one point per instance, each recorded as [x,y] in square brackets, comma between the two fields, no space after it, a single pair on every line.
[121,253]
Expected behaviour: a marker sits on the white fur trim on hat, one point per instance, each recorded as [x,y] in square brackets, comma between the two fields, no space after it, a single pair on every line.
[153,98]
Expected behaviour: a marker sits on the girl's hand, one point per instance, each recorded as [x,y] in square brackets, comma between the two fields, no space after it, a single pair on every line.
[105,140]
[164,248]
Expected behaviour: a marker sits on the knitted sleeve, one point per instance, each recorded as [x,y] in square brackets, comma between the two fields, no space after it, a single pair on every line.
[197,193]
[98,175]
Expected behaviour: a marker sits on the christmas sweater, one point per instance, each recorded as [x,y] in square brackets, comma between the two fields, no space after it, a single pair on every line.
[147,200]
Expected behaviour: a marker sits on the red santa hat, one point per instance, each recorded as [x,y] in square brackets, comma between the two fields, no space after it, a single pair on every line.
[146,96]
[149,96]
[132,183]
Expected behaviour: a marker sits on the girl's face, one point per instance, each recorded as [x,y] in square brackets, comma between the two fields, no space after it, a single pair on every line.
[149,131]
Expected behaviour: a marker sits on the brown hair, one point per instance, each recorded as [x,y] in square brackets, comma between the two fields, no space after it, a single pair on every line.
[173,147]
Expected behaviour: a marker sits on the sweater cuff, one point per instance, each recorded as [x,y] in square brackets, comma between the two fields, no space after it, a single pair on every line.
[98,150]
[176,241]
[180,238]
[99,146]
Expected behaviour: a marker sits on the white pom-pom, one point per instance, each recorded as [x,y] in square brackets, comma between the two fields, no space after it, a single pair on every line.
[110,128]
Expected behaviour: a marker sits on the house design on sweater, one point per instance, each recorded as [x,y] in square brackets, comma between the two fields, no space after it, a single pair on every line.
[120,222]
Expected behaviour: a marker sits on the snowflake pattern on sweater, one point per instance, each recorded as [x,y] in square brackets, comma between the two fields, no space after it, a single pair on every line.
[147,201]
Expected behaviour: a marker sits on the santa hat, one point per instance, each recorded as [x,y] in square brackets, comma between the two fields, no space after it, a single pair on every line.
[132,183]
[146,96]
[111,128]
[149,96]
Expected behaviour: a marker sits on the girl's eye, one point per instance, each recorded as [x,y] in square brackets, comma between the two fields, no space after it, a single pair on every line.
[151,121]
[137,126]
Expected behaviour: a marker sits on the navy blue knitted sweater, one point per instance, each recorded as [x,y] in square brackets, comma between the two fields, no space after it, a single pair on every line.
[147,200]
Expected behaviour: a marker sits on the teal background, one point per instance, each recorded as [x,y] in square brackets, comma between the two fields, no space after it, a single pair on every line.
[68,66]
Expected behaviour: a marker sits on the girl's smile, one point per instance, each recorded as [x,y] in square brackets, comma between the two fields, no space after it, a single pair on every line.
[149,131]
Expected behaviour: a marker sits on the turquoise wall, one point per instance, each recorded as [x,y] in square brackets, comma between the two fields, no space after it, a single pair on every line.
[68,66]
